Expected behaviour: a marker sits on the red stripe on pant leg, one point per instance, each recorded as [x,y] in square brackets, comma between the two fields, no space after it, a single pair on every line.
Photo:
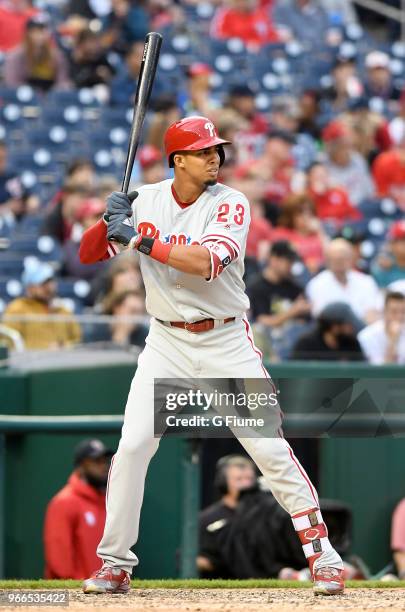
[108,480]
[303,474]
[259,353]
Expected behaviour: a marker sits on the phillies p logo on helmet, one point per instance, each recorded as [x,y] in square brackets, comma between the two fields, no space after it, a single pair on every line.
[210,127]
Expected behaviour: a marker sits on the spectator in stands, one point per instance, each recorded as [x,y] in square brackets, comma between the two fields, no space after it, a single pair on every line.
[258,238]
[379,82]
[307,20]
[128,307]
[340,12]
[37,61]
[334,337]
[13,18]
[251,126]
[299,225]
[339,282]
[347,168]
[274,169]
[120,275]
[370,129]
[284,113]
[197,98]
[28,314]
[245,534]
[75,516]
[152,166]
[390,264]
[277,301]
[247,20]
[11,189]
[88,213]
[60,221]
[165,113]
[398,538]
[384,341]
[89,63]
[80,173]
[331,203]
[309,111]
[89,9]
[345,86]
[123,85]
[389,169]
[126,23]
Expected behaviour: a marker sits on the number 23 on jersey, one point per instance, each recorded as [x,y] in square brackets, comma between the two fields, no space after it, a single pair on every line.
[225,215]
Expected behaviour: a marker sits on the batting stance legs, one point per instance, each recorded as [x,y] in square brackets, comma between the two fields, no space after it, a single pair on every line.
[226,352]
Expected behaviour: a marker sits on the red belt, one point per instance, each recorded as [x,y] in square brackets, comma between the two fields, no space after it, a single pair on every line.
[198,326]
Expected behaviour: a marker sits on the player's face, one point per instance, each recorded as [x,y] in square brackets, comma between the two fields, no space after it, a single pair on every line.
[202,166]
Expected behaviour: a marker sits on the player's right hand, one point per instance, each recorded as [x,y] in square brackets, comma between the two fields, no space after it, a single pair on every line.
[119,203]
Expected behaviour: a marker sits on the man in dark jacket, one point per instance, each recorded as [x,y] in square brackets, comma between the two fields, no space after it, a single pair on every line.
[246,534]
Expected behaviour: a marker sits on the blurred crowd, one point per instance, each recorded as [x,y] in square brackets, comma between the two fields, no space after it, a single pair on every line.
[315,109]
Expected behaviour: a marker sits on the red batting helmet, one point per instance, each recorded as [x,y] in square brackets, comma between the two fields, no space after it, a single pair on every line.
[192,134]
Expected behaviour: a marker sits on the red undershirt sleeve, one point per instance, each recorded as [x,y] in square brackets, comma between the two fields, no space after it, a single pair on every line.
[94,245]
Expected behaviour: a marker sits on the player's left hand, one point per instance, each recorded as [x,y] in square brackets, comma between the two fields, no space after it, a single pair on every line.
[120,229]
[119,203]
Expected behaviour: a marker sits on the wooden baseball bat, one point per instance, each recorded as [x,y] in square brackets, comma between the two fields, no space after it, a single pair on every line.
[150,58]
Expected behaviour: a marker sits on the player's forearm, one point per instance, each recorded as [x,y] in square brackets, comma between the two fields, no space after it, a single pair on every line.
[194,259]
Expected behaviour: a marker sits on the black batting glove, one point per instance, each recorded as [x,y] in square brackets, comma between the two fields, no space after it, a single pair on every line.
[119,203]
[120,229]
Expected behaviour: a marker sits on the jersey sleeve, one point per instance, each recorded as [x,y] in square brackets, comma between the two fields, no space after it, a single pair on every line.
[226,232]
[94,245]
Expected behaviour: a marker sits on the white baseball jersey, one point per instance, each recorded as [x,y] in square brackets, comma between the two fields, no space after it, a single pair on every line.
[220,215]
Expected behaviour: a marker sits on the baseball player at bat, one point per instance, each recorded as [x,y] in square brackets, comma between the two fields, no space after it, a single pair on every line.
[191,235]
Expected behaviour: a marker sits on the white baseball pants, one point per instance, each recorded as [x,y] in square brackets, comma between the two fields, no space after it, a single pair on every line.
[225,352]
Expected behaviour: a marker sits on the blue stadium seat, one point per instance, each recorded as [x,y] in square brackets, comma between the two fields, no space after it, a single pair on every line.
[73,288]
[385,208]
[10,288]
[11,263]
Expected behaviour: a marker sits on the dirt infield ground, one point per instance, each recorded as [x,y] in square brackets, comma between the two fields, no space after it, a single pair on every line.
[231,600]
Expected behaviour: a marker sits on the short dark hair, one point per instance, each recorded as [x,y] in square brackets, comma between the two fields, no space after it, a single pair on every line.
[75,164]
[394,296]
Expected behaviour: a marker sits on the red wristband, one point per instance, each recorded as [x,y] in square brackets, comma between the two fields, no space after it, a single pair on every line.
[161,251]
[151,247]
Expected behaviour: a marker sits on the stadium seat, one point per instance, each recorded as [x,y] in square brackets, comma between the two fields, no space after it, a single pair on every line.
[10,288]
[385,208]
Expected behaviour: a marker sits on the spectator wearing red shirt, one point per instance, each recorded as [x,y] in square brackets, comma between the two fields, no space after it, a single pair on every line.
[250,131]
[13,18]
[389,169]
[60,221]
[75,517]
[274,169]
[260,233]
[299,225]
[331,203]
[246,20]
